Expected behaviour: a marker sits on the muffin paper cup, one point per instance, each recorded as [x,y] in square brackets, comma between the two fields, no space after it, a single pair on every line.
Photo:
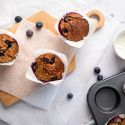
[13,36]
[30,74]
[78,44]
[121,115]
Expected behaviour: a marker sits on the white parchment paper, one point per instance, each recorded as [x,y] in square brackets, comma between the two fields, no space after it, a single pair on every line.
[13,79]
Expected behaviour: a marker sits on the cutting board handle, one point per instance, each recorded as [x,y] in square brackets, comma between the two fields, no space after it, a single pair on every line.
[96,14]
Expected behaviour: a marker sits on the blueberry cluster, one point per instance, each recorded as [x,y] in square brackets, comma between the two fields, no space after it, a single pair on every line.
[29,32]
[39,25]
[97,71]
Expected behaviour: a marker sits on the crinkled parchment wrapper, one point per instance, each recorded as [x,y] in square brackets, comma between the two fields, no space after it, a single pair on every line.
[30,74]
[2,31]
[13,79]
[92,28]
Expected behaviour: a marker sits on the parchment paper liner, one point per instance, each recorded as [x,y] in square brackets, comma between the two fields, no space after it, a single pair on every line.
[2,31]
[31,76]
[78,44]
[13,78]
[121,115]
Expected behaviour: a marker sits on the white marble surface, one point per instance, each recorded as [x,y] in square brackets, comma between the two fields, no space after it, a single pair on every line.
[24,8]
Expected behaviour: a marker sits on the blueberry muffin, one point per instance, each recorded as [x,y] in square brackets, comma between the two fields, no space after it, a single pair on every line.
[73,27]
[117,121]
[48,67]
[8,48]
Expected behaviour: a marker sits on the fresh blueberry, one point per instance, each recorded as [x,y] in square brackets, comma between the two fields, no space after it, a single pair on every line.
[33,66]
[53,78]
[97,70]
[52,60]
[18,19]
[9,44]
[100,77]
[46,60]
[65,30]
[39,24]
[69,95]
[1,54]
[29,33]
[66,19]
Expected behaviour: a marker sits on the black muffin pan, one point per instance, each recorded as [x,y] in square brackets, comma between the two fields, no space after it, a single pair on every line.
[106,99]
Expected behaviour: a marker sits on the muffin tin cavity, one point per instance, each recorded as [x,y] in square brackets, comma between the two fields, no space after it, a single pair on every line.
[106,99]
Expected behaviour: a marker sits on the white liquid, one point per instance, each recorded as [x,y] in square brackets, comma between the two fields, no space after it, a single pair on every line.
[120,45]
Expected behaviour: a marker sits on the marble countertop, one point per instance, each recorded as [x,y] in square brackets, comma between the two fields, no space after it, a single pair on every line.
[16,7]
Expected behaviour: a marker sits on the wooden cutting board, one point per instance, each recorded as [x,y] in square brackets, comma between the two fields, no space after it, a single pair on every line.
[49,23]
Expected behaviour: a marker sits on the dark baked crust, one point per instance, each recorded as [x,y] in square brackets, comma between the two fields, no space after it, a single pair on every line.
[117,121]
[8,48]
[73,27]
[48,67]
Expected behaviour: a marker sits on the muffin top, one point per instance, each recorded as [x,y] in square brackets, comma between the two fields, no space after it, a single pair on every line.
[48,67]
[73,27]
[117,121]
[8,48]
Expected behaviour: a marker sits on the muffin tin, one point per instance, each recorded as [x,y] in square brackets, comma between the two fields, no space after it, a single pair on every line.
[106,99]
